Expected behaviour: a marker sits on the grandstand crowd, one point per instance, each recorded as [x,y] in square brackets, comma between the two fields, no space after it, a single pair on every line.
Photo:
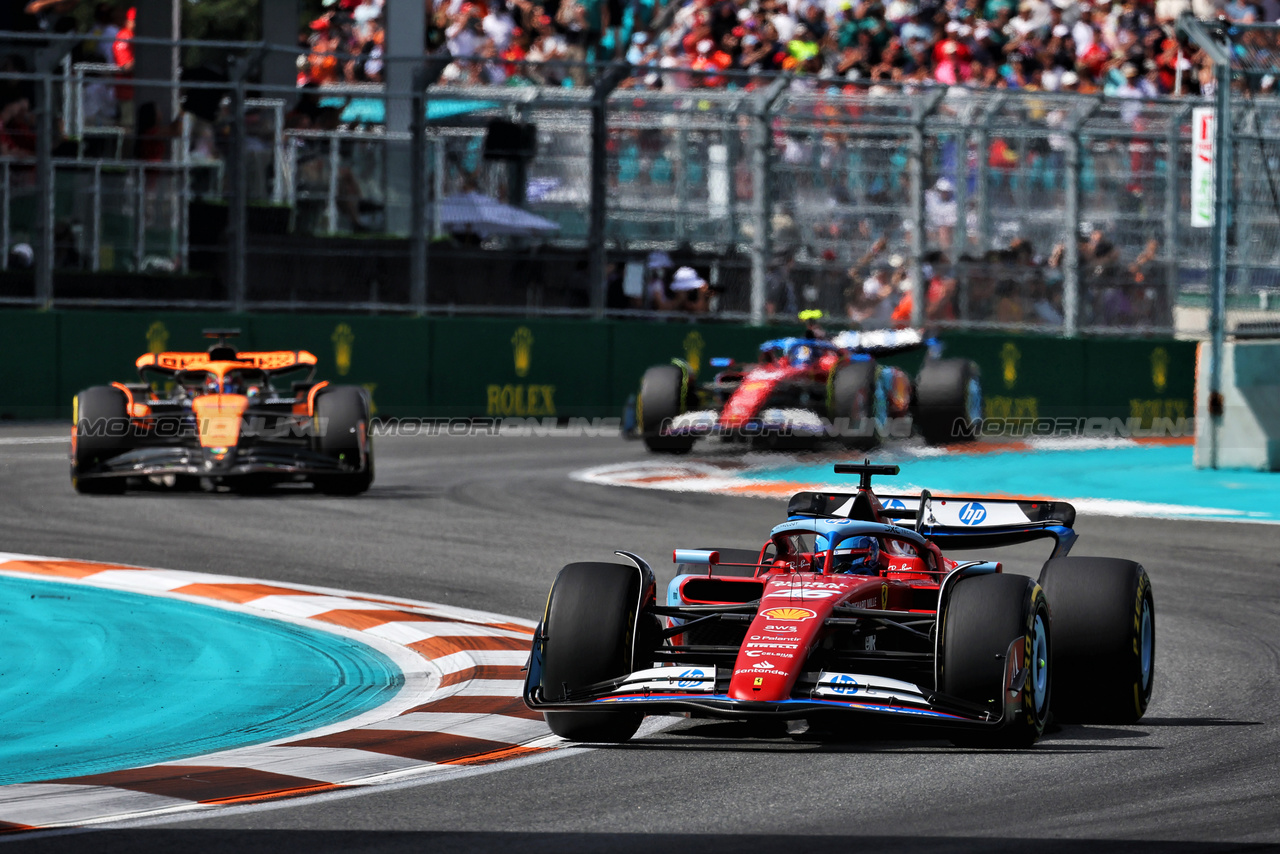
[1123,48]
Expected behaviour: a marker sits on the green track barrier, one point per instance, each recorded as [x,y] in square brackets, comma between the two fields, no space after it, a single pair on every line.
[520,368]
[29,364]
[477,367]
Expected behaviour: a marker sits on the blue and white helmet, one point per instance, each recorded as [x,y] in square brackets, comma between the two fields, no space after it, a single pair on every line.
[857,556]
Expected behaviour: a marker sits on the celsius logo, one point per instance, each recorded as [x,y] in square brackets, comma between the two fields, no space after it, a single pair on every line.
[894,504]
[972,513]
[691,678]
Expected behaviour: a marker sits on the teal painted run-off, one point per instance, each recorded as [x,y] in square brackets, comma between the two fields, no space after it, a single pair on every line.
[1143,480]
[95,680]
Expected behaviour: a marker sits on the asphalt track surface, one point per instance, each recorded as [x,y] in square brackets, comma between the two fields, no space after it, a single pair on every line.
[486,522]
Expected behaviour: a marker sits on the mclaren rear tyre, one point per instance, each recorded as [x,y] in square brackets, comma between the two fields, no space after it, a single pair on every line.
[344,412]
[102,432]
[856,405]
[589,626]
[664,393]
[948,400]
[1104,636]
[987,617]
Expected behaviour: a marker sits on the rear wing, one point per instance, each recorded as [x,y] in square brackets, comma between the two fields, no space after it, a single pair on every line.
[885,342]
[955,522]
[276,361]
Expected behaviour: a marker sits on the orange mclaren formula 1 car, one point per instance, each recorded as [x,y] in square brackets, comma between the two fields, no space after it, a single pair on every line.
[246,420]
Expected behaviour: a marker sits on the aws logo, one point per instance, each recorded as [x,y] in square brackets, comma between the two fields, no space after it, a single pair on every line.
[522,350]
[1010,355]
[157,338]
[342,339]
[693,347]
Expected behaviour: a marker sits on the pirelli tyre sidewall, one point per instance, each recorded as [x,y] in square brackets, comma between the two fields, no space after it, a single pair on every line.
[665,392]
[590,626]
[987,619]
[1104,626]
[101,431]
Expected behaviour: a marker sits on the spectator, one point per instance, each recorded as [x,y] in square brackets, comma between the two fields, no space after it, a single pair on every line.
[690,292]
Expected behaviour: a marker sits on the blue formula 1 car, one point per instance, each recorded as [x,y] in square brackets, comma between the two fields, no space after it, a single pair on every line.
[852,614]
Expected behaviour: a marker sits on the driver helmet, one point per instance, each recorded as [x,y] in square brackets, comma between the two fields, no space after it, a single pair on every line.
[858,556]
[210,385]
[802,355]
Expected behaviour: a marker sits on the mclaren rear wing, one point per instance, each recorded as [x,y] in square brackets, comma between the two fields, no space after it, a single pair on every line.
[277,361]
[954,521]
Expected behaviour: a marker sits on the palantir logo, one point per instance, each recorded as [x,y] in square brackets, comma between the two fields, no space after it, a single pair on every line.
[972,513]
[691,678]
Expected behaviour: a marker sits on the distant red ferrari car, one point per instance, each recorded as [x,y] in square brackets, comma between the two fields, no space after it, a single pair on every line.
[844,616]
[808,389]
[246,420]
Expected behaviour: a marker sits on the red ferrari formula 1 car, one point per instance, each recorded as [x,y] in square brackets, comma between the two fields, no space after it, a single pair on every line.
[845,618]
[806,389]
[247,420]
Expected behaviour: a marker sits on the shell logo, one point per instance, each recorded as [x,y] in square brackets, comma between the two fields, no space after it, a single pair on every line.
[522,348]
[796,614]
[342,339]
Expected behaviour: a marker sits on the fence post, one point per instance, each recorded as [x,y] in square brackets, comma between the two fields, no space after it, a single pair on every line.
[606,81]
[762,193]
[46,198]
[418,194]
[1218,253]
[1173,180]
[921,110]
[1071,249]
[237,189]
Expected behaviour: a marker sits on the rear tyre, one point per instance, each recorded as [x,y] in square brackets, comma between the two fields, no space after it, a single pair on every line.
[664,393]
[984,615]
[589,628]
[948,396]
[102,432]
[1104,633]
[854,395]
[344,412]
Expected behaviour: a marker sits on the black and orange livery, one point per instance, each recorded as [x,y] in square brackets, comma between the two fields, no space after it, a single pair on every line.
[247,419]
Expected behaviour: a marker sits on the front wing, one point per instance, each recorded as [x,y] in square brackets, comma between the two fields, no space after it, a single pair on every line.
[257,459]
[701,690]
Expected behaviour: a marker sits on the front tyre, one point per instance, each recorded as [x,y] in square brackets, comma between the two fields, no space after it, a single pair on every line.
[343,413]
[948,400]
[1104,629]
[590,628]
[665,392]
[989,617]
[102,429]
[856,404]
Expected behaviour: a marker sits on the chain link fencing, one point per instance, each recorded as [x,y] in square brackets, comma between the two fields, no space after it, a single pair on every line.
[1021,210]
